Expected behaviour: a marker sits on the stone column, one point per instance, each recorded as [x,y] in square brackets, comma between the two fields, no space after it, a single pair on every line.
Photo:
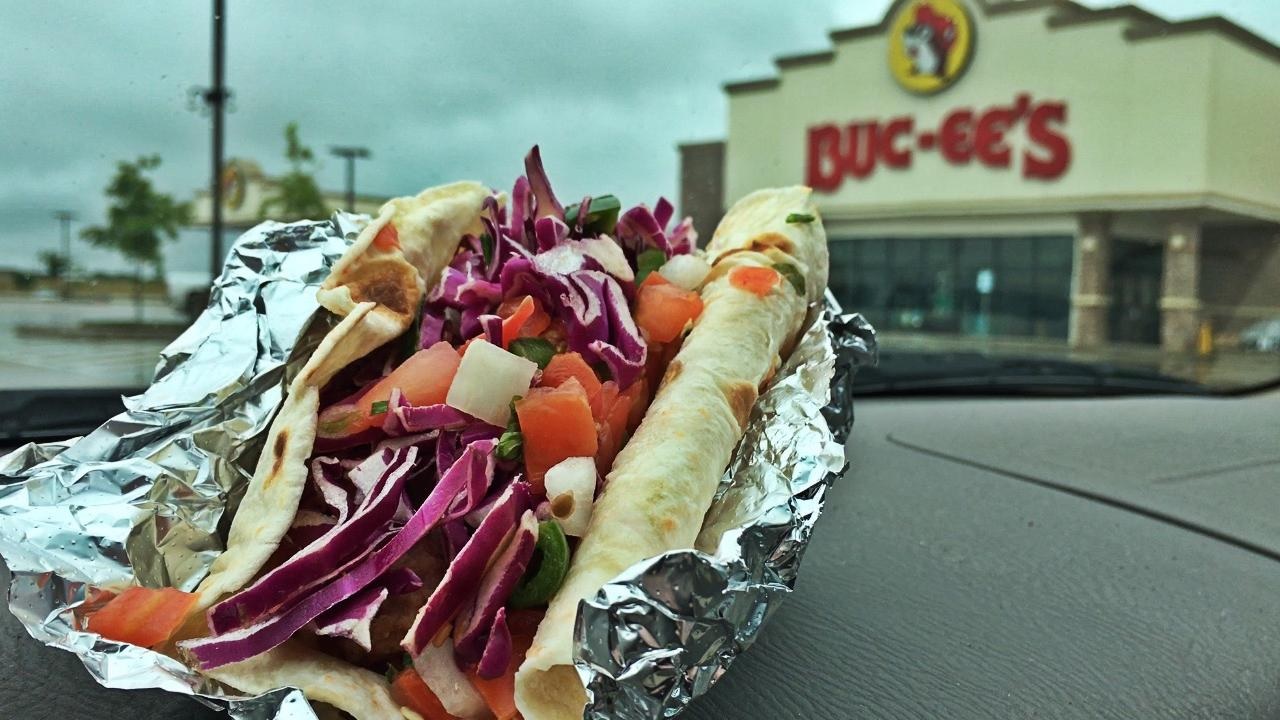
[1090,283]
[1180,291]
[702,186]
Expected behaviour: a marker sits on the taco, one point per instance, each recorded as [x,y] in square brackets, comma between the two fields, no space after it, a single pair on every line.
[521,399]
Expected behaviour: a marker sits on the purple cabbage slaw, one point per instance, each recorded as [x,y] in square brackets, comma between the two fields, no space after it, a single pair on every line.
[361,516]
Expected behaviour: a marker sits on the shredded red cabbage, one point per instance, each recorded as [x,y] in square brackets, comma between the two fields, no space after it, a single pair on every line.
[404,418]
[466,570]
[275,628]
[497,650]
[545,203]
[329,478]
[323,558]
[496,586]
[353,617]
[479,469]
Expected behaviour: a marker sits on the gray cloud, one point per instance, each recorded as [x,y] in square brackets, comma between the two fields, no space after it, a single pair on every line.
[438,91]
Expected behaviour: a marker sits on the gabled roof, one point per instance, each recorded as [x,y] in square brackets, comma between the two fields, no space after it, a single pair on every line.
[1142,26]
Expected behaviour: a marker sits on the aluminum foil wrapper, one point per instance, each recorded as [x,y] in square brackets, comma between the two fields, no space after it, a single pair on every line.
[149,495]
[665,630]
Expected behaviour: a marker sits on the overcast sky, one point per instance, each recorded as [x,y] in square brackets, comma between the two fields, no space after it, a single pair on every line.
[438,90]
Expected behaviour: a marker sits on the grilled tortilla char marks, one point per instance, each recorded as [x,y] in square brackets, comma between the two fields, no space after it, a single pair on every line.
[387,283]
[673,371]
[773,240]
[742,397]
[282,442]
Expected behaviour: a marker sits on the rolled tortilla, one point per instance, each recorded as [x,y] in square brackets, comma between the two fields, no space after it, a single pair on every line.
[376,287]
[320,677]
[663,481]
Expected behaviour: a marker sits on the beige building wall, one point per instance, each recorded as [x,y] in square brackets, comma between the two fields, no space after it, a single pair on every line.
[1135,144]
[1244,125]
[258,188]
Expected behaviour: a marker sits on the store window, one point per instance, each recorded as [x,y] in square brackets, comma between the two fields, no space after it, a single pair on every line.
[1010,286]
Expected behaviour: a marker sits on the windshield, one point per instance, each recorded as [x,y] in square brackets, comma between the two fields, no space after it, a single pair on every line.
[1011,190]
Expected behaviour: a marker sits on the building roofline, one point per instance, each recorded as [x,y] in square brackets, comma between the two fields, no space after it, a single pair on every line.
[1144,26]
[699,144]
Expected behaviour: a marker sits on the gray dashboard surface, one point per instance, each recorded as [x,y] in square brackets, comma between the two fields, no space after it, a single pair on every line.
[935,588]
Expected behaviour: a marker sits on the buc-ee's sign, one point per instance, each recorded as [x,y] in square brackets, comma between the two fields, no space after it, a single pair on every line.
[964,135]
[931,44]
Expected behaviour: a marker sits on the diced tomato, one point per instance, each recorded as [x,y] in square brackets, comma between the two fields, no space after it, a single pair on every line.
[534,321]
[423,379]
[613,412]
[663,309]
[142,616]
[387,238]
[758,280]
[556,424]
[603,401]
[638,398]
[500,693]
[411,691]
[655,278]
[570,365]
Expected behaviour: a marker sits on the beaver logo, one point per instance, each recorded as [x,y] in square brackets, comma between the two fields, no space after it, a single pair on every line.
[930,44]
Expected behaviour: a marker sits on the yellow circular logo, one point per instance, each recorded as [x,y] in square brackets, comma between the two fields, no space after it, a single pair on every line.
[930,44]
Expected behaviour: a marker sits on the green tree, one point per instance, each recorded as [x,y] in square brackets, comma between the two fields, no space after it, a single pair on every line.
[298,197]
[55,264]
[139,217]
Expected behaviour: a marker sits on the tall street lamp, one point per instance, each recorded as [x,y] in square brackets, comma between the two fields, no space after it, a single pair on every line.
[64,218]
[350,154]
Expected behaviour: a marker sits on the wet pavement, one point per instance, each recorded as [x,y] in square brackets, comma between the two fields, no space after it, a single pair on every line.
[51,362]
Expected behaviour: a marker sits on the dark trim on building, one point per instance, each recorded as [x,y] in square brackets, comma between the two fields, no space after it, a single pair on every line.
[744,86]
[1147,27]
[787,62]
[1211,23]
[1131,13]
[855,33]
[698,144]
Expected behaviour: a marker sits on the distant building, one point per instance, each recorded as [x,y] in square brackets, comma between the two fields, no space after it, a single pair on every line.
[245,187]
[1028,168]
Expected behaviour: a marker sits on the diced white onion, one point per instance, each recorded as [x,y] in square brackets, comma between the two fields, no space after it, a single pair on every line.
[488,378]
[571,486]
[686,271]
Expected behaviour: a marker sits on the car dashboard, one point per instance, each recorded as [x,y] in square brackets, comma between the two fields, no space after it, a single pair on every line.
[982,558]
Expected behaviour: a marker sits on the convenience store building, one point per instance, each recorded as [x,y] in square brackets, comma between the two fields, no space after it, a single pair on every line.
[1032,168]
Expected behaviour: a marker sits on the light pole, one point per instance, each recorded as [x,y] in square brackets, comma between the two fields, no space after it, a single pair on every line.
[216,98]
[350,154]
[64,218]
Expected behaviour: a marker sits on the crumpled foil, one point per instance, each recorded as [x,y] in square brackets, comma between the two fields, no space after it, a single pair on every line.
[149,495]
[662,633]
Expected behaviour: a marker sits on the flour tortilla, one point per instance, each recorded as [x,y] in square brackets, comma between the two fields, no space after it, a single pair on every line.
[663,481]
[377,291]
[319,676]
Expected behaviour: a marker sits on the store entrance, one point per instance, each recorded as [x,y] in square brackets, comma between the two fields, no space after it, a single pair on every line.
[1136,271]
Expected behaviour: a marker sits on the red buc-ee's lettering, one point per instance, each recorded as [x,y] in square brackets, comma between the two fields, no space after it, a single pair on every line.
[963,135]
[1054,155]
